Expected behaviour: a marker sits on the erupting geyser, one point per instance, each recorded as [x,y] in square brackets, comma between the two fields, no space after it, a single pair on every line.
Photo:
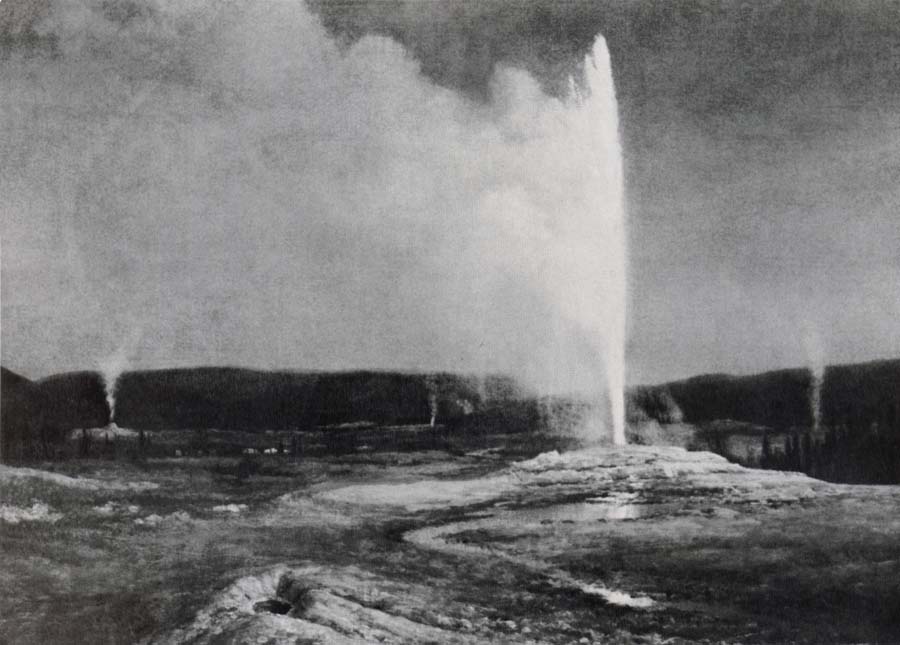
[112,366]
[110,372]
[553,217]
[592,284]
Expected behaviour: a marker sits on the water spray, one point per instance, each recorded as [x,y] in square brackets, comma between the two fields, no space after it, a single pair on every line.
[598,304]
[812,342]
[112,367]
[431,384]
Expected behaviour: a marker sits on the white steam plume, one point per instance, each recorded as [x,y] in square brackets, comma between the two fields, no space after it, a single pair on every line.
[276,200]
[112,367]
[812,344]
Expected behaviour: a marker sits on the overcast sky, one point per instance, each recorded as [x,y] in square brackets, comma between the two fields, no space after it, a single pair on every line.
[284,185]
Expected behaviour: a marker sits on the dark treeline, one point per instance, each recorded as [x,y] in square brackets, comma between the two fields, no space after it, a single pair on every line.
[38,416]
[16,413]
[858,440]
[857,395]
[842,454]
[846,453]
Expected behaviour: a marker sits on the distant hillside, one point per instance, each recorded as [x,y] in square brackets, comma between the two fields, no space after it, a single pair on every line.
[70,400]
[15,412]
[36,415]
[9,379]
[855,395]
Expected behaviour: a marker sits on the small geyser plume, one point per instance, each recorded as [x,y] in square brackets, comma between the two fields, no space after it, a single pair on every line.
[815,397]
[812,343]
[111,369]
[431,384]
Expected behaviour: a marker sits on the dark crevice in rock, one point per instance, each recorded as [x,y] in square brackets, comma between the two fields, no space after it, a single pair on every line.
[273,606]
[292,597]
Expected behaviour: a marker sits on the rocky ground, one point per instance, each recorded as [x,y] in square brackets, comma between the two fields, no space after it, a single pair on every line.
[642,544]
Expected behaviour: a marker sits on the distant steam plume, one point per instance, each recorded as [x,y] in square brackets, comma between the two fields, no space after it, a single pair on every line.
[812,343]
[112,367]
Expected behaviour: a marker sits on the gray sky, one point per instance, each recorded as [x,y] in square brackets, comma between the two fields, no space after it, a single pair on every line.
[272,185]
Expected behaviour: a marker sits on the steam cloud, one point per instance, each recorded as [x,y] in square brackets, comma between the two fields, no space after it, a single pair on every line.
[227,174]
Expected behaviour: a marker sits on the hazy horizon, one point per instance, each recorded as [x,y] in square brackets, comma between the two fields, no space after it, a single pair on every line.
[285,187]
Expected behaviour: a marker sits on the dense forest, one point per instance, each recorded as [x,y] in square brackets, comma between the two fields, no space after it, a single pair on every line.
[39,415]
[858,438]
[856,395]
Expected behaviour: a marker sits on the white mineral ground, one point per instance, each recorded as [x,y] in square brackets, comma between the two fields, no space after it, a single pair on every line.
[37,512]
[529,505]
[110,431]
[11,473]
[594,469]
